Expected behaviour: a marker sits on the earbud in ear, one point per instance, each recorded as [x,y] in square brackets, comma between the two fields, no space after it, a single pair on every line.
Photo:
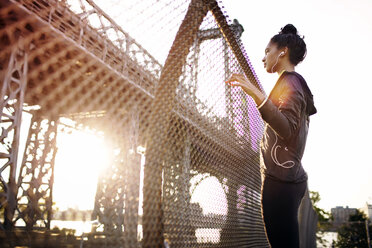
[282,54]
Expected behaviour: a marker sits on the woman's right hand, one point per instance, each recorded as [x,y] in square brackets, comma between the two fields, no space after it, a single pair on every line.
[249,88]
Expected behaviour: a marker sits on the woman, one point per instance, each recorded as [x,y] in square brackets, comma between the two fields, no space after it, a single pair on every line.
[286,114]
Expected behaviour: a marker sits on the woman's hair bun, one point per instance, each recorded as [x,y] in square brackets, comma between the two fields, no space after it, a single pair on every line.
[289,29]
[288,37]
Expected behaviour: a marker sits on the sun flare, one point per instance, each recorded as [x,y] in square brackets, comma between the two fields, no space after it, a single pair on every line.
[81,157]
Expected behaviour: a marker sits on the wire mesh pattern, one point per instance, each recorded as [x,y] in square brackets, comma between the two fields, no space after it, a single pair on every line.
[183,165]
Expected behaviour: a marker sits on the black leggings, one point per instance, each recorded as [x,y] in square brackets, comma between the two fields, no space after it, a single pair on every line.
[280,203]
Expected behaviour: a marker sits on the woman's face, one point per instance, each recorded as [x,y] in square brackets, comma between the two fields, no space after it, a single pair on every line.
[271,58]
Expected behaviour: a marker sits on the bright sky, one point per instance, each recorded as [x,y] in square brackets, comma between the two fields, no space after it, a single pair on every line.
[338,34]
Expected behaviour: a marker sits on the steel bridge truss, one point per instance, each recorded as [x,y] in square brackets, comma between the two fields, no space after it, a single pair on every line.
[12,95]
[29,200]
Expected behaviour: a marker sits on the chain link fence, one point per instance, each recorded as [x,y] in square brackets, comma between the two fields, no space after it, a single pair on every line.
[181,165]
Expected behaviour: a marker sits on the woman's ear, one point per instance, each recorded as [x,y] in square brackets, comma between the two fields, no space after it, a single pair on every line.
[284,52]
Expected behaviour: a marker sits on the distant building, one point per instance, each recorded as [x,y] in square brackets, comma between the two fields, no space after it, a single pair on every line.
[341,214]
[368,210]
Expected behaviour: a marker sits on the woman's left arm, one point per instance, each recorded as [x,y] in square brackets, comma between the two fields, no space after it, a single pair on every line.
[284,118]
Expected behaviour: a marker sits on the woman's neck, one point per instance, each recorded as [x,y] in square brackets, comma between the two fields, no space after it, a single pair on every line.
[285,67]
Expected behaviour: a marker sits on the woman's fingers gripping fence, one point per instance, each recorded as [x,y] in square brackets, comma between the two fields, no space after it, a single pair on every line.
[237,80]
[242,81]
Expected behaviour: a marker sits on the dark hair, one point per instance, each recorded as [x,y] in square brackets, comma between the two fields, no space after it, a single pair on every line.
[288,37]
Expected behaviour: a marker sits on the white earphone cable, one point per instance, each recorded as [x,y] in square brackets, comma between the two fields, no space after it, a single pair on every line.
[277,60]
